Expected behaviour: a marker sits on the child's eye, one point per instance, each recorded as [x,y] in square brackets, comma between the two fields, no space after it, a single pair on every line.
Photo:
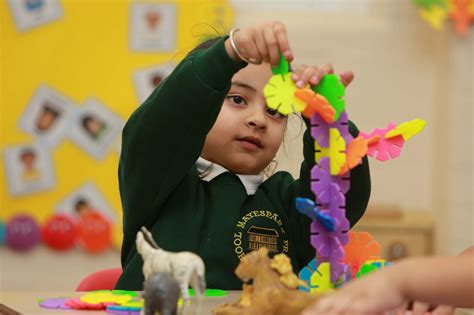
[274,113]
[237,99]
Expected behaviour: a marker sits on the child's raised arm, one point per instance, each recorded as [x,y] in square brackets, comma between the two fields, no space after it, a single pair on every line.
[164,136]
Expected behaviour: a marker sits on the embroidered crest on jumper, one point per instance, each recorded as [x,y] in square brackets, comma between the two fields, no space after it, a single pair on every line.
[260,228]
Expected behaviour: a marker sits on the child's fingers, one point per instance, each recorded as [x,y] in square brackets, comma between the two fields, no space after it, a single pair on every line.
[308,76]
[298,71]
[321,72]
[282,38]
[324,69]
[346,78]
[315,74]
[443,310]
[245,43]
[420,308]
[260,43]
[400,310]
[263,43]
[272,45]
[304,74]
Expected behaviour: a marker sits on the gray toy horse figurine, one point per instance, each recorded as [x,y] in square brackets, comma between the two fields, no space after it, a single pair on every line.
[185,267]
[161,294]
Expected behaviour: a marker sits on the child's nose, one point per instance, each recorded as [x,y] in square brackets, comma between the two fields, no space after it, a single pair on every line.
[257,119]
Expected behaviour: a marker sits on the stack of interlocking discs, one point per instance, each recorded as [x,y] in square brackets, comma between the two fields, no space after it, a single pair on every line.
[336,153]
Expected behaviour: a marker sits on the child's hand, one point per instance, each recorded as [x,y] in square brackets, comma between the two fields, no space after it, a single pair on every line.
[261,43]
[420,308]
[376,293]
[304,74]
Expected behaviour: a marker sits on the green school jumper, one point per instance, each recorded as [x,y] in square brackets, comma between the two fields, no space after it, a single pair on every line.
[161,189]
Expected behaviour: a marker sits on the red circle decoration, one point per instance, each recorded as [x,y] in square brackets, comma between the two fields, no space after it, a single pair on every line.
[59,232]
[94,232]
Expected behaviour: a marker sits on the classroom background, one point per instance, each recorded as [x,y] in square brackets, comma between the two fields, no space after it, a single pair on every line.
[100,59]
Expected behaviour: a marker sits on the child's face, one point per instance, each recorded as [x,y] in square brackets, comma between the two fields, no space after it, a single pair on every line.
[28,160]
[45,120]
[247,134]
[94,125]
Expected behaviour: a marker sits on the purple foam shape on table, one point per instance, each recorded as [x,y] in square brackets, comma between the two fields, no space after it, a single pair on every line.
[54,303]
[321,180]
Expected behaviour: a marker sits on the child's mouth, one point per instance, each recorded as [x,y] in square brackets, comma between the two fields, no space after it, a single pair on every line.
[251,143]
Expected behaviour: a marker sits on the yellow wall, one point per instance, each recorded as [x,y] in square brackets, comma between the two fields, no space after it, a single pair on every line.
[83,54]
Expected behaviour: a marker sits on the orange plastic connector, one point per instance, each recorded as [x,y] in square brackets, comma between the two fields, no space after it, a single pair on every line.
[373,140]
[316,103]
[356,150]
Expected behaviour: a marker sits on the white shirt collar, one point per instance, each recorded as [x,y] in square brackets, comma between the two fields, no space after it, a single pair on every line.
[250,182]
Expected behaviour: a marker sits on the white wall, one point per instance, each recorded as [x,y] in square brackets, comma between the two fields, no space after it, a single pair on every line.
[404,70]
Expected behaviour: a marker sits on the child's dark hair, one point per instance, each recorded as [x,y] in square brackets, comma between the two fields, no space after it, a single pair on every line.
[86,119]
[48,109]
[81,202]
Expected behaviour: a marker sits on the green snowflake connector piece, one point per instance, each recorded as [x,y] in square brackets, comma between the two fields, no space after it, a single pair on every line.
[366,269]
[332,89]
[283,67]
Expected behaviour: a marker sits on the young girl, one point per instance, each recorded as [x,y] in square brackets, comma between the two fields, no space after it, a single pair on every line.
[431,281]
[193,154]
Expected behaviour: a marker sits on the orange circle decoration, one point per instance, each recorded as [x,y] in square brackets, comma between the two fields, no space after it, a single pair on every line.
[59,232]
[94,232]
